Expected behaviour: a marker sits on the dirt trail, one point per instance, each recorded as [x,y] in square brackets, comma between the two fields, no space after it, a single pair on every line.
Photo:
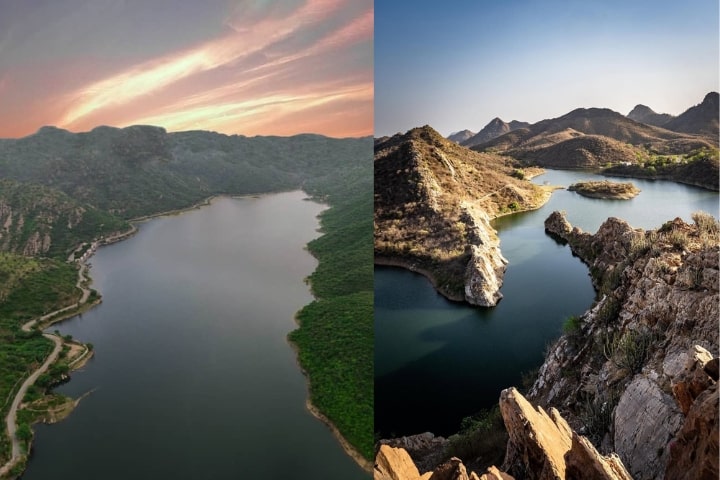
[11,419]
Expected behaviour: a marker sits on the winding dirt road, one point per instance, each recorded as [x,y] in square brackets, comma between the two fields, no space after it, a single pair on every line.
[11,419]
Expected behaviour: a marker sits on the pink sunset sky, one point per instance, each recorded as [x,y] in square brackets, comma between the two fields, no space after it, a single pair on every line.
[236,67]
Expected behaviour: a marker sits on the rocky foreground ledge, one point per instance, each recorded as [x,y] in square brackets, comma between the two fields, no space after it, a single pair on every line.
[542,446]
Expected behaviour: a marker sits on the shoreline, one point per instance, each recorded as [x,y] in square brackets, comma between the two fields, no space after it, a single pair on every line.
[407,264]
[82,306]
[396,261]
[349,449]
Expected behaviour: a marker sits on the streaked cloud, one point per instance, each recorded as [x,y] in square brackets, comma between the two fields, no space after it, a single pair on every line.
[273,60]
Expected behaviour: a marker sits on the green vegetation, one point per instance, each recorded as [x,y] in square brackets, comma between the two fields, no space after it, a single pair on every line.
[629,351]
[481,439]
[572,325]
[73,188]
[335,337]
[699,167]
[32,287]
[596,413]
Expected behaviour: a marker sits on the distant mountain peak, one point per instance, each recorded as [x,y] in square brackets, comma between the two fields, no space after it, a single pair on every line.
[496,127]
[644,114]
[461,136]
[700,119]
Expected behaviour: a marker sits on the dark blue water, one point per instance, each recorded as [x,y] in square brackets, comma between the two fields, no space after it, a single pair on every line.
[438,361]
[193,377]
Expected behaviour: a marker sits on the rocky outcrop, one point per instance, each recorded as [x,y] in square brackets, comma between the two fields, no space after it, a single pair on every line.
[426,449]
[42,221]
[394,464]
[433,204]
[543,446]
[641,368]
[486,267]
[694,450]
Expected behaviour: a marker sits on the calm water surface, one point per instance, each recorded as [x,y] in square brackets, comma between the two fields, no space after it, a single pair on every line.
[193,377]
[438,361]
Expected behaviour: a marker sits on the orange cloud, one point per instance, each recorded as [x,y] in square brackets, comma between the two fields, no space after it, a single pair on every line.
[153,76]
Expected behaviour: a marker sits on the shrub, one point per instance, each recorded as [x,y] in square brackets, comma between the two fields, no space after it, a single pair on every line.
[572,325]
[639,245]
[597,416]
[677,238]
[482,437]
[608,310]
[631,350]
[706,223]
[519,173]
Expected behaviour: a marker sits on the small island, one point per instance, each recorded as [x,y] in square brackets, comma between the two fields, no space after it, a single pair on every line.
[605,189]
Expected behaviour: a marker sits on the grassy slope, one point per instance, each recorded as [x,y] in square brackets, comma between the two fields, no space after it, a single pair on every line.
[29,288]
[335,337]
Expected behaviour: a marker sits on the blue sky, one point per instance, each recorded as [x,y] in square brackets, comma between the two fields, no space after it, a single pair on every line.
[457,65]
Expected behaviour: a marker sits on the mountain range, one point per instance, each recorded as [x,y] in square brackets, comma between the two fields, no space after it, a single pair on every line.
[594,136]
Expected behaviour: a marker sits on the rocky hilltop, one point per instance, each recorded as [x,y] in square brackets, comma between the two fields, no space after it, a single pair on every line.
[433,204]
[637,372]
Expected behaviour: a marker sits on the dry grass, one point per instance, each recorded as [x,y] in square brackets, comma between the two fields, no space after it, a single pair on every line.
[605,189]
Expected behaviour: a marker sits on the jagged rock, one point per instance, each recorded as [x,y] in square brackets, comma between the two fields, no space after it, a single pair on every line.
[453,469]
[583,461]
[645,419]
[543,446]
[395,464]
[558,224]
[693,380]
[694,452]
[484,272]
[645,345]
[711,368]
[426,450]
[493,473]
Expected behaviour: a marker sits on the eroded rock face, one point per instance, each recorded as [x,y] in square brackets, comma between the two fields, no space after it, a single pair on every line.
[644,352]
[694,451]
[394,464]
[486,267]
[646,418]
[426,449]
[543,446]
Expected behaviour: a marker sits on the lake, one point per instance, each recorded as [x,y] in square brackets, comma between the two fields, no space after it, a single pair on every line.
[437,361]
[193,376]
